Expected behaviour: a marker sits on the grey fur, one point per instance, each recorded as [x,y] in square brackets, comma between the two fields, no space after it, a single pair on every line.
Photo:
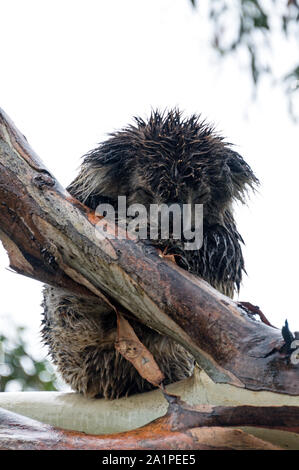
[167,159]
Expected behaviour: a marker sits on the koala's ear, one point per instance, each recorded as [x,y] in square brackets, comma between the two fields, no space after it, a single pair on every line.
[102,170]
[86,186]
[242,175]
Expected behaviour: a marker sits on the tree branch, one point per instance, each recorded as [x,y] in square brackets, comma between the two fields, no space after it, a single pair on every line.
[52,237]
[205,428]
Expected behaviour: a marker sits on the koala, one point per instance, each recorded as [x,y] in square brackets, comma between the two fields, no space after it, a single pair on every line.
[167,159]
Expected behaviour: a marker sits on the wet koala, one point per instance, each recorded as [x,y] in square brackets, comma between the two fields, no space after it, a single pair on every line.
[165,160]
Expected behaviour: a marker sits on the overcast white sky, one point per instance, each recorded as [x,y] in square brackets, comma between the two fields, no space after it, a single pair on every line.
[71,71]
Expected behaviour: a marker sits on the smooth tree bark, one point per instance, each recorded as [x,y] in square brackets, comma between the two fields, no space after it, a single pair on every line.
[52,237]
[199,428]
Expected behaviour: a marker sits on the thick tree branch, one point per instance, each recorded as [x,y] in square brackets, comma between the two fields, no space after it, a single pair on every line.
[52,237]
[203,427]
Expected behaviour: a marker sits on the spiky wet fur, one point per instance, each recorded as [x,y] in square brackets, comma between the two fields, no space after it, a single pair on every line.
[164,160]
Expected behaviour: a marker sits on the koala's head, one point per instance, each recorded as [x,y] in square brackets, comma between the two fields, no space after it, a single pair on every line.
[167,159]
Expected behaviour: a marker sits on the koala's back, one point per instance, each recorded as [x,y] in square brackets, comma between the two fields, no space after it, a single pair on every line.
[80,333]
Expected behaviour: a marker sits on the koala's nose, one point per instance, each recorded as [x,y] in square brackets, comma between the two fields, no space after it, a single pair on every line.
[175,209]
[175,203]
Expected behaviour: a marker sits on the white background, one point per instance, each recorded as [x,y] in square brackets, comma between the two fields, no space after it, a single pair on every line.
[72,71]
